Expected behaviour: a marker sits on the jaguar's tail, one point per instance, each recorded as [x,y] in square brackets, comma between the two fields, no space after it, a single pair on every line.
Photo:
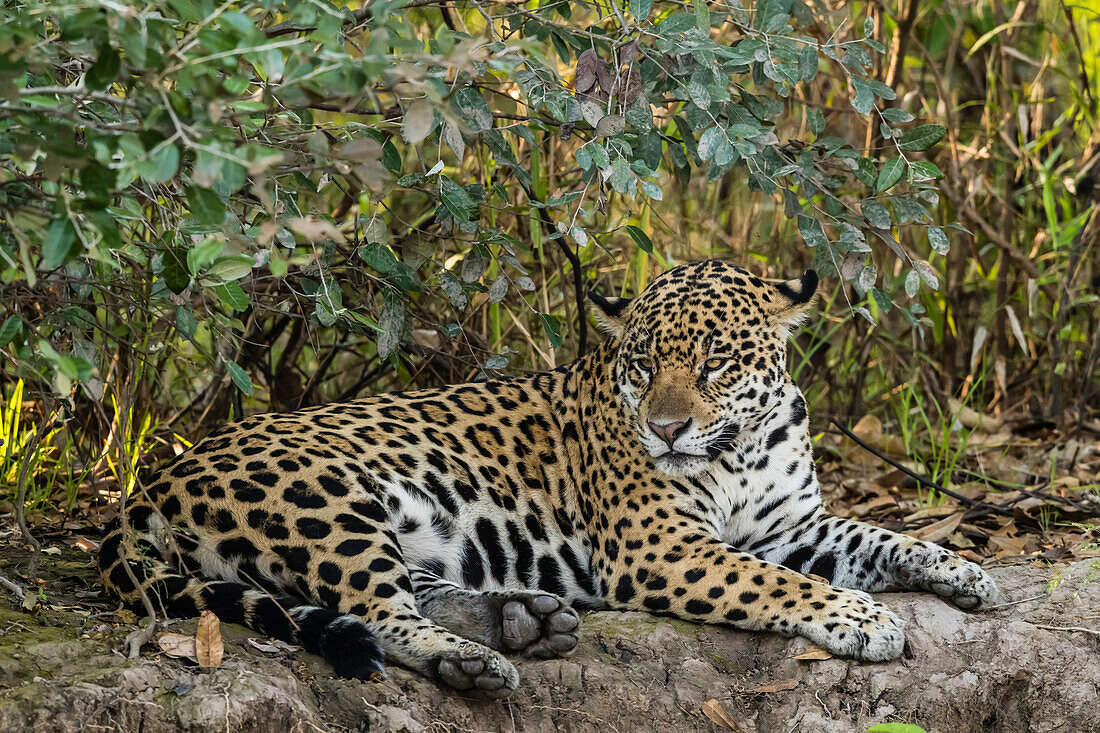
[341,639]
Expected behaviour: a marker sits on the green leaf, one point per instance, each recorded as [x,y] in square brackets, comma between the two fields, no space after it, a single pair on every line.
[709,141]
[912,283]
[895,114]
[702,16]
[622,177]
[807,63]
[232,295]
[205,205]
[185,322]
[938,240]
[890,174]
[390,157]
[104,70]
[73,367]
[928,275]
[652,190]
[239,377]
[392,324]
[811,231]
[228,269]
[161,164]
[452,288]
[203,252]
[927,169]
[640,238]
[896,728]
[864,99]
[174,270]
[553,331]
[584,157]
[816,120]
[867,278]
[640,9]
[882,299]
[909,209]
[865,313]
[59,244]
[498,289]
[98,182]
[474,110]
[599,155]
[877,214]
[699,94]
[11,328]
[921,137]
[457,200]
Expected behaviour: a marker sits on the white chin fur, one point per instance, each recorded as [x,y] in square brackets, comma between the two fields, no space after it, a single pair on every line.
[680,464]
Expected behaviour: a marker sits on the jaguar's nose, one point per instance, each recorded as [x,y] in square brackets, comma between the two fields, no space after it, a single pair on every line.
[669,430]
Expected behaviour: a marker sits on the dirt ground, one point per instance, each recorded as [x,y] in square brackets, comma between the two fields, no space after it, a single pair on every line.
[1033,665]
[1029,515]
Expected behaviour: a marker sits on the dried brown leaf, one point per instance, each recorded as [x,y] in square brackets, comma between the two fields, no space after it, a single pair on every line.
[585,77]
[603,75]
[315,230]
[628,52]
[971,556]
[813,654]
[87,545]
[209,648]
[716,712]
[177,645]
[938,530]
[630,82]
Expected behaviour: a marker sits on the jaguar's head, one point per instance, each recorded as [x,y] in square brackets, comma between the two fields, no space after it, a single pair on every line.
[700,356]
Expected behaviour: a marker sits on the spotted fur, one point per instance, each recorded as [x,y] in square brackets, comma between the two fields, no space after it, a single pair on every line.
[668,471]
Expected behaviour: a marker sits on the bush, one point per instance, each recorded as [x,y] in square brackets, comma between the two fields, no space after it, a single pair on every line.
[186,184]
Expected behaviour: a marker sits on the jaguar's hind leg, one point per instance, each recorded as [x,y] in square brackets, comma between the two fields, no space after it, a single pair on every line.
[532,623]
[374,585]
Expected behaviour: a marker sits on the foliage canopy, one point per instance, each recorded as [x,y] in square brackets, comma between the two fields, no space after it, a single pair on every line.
[174,170]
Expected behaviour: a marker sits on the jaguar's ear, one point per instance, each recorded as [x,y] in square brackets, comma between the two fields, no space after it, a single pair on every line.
[611,313]
[795,299]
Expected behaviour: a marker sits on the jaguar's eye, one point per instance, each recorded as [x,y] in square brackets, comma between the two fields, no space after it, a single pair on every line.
[714,364]
[644,364]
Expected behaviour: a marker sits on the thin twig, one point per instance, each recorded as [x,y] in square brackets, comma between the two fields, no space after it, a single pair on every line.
[15,588]
[929,483]
[1014,603]
[28,455]
[1082,629]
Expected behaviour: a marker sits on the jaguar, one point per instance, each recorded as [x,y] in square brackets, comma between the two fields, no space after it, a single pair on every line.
[669,470]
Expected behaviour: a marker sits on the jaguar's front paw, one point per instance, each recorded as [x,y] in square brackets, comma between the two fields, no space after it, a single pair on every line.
[959,581]
[852,624]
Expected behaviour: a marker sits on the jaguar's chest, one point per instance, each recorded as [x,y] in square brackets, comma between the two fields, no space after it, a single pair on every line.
[762,485]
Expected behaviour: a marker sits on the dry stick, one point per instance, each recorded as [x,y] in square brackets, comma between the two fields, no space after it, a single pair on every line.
[135,640]
[20,518]
[898,50]
[1082,629]
[1085,84]
[574,261]
[15,588]
[973,503]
